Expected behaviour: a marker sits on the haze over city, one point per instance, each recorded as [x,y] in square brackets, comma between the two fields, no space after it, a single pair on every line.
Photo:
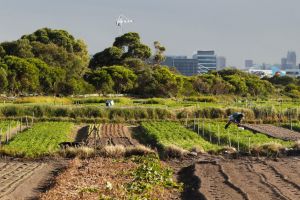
[262,30]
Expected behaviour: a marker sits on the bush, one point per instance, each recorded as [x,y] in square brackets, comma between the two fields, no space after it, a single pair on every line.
[201,99]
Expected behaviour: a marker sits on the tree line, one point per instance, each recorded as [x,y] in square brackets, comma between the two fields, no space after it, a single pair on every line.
[53,62]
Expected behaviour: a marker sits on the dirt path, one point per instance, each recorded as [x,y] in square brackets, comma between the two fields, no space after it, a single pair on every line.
[273,131]
[21,180]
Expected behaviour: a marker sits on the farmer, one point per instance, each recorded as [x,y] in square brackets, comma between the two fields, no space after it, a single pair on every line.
[234,118]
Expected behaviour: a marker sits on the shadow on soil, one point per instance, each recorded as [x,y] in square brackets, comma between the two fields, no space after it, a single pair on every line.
[49,182]
[82,134]
[191,184]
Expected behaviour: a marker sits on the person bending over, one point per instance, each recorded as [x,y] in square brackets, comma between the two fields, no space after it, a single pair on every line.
[235,118]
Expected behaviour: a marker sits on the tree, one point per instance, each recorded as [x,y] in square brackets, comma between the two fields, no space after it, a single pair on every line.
[124,79]
[22,76]
[3,80]
[110,56]
[159,56]
[101,80]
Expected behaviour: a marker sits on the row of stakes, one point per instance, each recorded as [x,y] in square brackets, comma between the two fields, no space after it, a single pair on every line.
[19,128]
[196,128]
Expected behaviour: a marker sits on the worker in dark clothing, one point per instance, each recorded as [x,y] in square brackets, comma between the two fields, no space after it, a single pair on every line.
[234,118]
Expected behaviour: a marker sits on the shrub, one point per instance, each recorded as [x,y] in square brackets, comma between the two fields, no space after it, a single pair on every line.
[201,99]
[173,151]
[139,150]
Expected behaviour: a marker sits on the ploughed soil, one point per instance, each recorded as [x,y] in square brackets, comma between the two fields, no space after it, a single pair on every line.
[273,131]
[112,134]
[245,178]
[25,179]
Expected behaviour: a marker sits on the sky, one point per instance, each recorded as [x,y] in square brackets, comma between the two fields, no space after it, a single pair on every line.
[262,30]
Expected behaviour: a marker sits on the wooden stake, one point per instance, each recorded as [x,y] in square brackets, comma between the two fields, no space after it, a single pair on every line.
[249,145]
[219,142]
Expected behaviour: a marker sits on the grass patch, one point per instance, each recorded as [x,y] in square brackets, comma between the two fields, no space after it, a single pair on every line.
[40,140]
[43,100]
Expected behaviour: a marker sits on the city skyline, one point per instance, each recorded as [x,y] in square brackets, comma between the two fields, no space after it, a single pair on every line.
[261,30]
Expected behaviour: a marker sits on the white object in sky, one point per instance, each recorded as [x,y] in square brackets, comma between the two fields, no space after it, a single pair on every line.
[122,19]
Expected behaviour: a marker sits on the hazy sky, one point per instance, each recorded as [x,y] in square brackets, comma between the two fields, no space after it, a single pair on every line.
[263,30]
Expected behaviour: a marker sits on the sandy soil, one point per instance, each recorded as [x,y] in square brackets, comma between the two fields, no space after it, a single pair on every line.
[23,180]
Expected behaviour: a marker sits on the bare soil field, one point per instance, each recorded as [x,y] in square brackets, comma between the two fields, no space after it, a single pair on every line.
[245,179]
[273,131]
[23,180]
[115,134]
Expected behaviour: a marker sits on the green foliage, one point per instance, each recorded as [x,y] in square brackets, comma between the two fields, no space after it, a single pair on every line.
[40,140]
[149,175]
[166,134]
[236,137]
[4,126]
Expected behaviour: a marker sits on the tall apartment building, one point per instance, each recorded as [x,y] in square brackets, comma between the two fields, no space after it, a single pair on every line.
[291,60]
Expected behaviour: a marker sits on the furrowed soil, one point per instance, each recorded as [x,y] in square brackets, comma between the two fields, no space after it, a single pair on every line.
[24,180]
[273,131]
[218,178]
[114,134]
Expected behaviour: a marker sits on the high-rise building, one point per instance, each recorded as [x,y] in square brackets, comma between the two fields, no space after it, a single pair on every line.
[207,60]
[249,63]
[291,60]
[283,63]
[221,62]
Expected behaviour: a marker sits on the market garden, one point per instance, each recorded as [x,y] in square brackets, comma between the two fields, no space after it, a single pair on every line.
[36,128]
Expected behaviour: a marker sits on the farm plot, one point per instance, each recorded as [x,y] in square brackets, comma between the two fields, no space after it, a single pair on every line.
[166,134]
[247,179]
[112,134]
[40,140]
[13,174]
[243,140]
[274,131]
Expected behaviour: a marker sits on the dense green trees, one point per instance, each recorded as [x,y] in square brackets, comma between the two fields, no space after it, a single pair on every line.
[54,62]
[46,61]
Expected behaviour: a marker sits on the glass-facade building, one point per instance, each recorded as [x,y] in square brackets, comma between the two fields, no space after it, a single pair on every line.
[207,60]
[184,65]
[202,62]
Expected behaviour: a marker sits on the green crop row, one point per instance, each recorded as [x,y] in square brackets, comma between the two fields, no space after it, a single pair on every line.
[244,139]
[166,134]
[40,140]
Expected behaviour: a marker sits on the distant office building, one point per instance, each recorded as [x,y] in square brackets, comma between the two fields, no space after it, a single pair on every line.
[221,62]
[249,63]
[291,60]
[207,60]
[283,63]
[184,65]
